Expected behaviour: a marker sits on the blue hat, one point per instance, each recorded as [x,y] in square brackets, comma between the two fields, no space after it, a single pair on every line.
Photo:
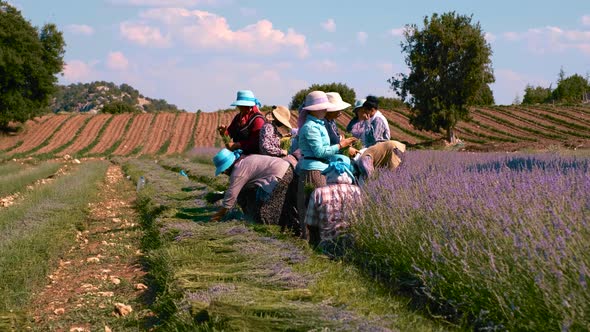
[246,98]
[224,159]
[359,103]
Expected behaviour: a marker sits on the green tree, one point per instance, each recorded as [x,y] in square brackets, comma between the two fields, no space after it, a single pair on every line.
[449,62]
[536,95]
[387,103]
[118,107]
[571,90]
[484,96]
[347,94]
[29,60]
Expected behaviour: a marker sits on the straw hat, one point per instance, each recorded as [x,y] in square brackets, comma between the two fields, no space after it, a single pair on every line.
[317,101]
[336,100]
[283,115]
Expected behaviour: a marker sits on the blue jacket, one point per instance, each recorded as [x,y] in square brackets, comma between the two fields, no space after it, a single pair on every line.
[315,143]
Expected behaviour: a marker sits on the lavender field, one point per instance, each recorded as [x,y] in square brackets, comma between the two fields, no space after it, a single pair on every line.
[496,241]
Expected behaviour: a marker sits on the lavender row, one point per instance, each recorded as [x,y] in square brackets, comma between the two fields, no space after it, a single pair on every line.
[502,238]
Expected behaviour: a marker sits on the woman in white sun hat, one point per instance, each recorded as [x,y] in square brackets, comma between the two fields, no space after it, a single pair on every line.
[315,147]
[333,114]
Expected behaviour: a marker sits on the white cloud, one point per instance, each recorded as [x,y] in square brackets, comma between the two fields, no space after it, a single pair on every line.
[398,32]
[163,3]
[361,37]
[77,71]
[205,30]
[80,29]
[143,34]
[490,37]
[117,61]
[329,25]
[586,20]
[552,39]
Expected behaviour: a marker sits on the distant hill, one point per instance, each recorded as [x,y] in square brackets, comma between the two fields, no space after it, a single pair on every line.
[91,97]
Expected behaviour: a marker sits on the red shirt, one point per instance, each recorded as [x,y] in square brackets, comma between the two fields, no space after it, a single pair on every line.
[246,130]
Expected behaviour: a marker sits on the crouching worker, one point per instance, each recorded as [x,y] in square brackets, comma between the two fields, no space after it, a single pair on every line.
[388,155]
[329,207]
[269,176]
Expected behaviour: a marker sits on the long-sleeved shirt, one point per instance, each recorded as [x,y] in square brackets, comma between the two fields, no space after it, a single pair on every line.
[315,145]
[328,206]
[376,129]
[246,130]
[259,170]
[270,140]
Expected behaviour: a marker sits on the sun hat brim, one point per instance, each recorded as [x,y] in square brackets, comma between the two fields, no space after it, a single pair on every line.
[318,107]
[243,103]
[223,167]
[282,120]
[339,106]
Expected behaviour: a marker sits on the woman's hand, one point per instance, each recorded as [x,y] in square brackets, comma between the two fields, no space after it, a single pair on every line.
[221,130]
[347,142]
[233,146]
[352,152]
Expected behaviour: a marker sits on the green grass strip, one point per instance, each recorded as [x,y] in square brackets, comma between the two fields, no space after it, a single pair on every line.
[562,122]
[35,232]
[548,127]
[501,132]
[10,148]
[12,183]
[10,167]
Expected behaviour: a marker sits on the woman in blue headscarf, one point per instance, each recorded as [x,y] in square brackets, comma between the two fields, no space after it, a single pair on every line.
[267,180]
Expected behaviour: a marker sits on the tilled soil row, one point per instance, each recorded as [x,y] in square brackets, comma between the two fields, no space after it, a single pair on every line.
[98,284]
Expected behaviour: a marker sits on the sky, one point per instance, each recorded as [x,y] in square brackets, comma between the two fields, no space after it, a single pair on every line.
[196,54]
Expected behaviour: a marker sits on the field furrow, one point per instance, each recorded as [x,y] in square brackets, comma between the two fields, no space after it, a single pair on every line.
[137,135]
[206,132]
[112,134]
[88,134]
[183,128]
[548,125]
[35,139]
[161,131]
[65,133]
[562,117]
[506,129]
[518,123]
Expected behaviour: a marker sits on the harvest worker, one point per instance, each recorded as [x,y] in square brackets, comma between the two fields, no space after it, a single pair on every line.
[315,147]
[244,130]
[270,177]
[274,131]
[376,128]
[328,207]
[354,126]
[388,155]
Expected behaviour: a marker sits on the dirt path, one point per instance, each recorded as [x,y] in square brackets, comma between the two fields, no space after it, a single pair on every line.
[98,283]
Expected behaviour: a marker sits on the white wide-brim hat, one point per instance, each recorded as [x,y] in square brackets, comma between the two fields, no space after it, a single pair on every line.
[336,100]
[317,101]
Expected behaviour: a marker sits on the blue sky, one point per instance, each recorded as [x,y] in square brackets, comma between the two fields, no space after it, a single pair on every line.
[198,53]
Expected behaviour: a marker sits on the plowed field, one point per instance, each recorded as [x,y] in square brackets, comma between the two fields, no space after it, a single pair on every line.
[492,128]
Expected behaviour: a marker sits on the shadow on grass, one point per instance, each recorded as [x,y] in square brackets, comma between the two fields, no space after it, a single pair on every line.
[193,188]
[198,214]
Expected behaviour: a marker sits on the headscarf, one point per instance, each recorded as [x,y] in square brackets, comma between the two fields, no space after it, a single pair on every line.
[302,116]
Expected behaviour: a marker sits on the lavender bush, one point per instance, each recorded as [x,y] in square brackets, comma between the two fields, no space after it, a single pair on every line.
[502,239]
